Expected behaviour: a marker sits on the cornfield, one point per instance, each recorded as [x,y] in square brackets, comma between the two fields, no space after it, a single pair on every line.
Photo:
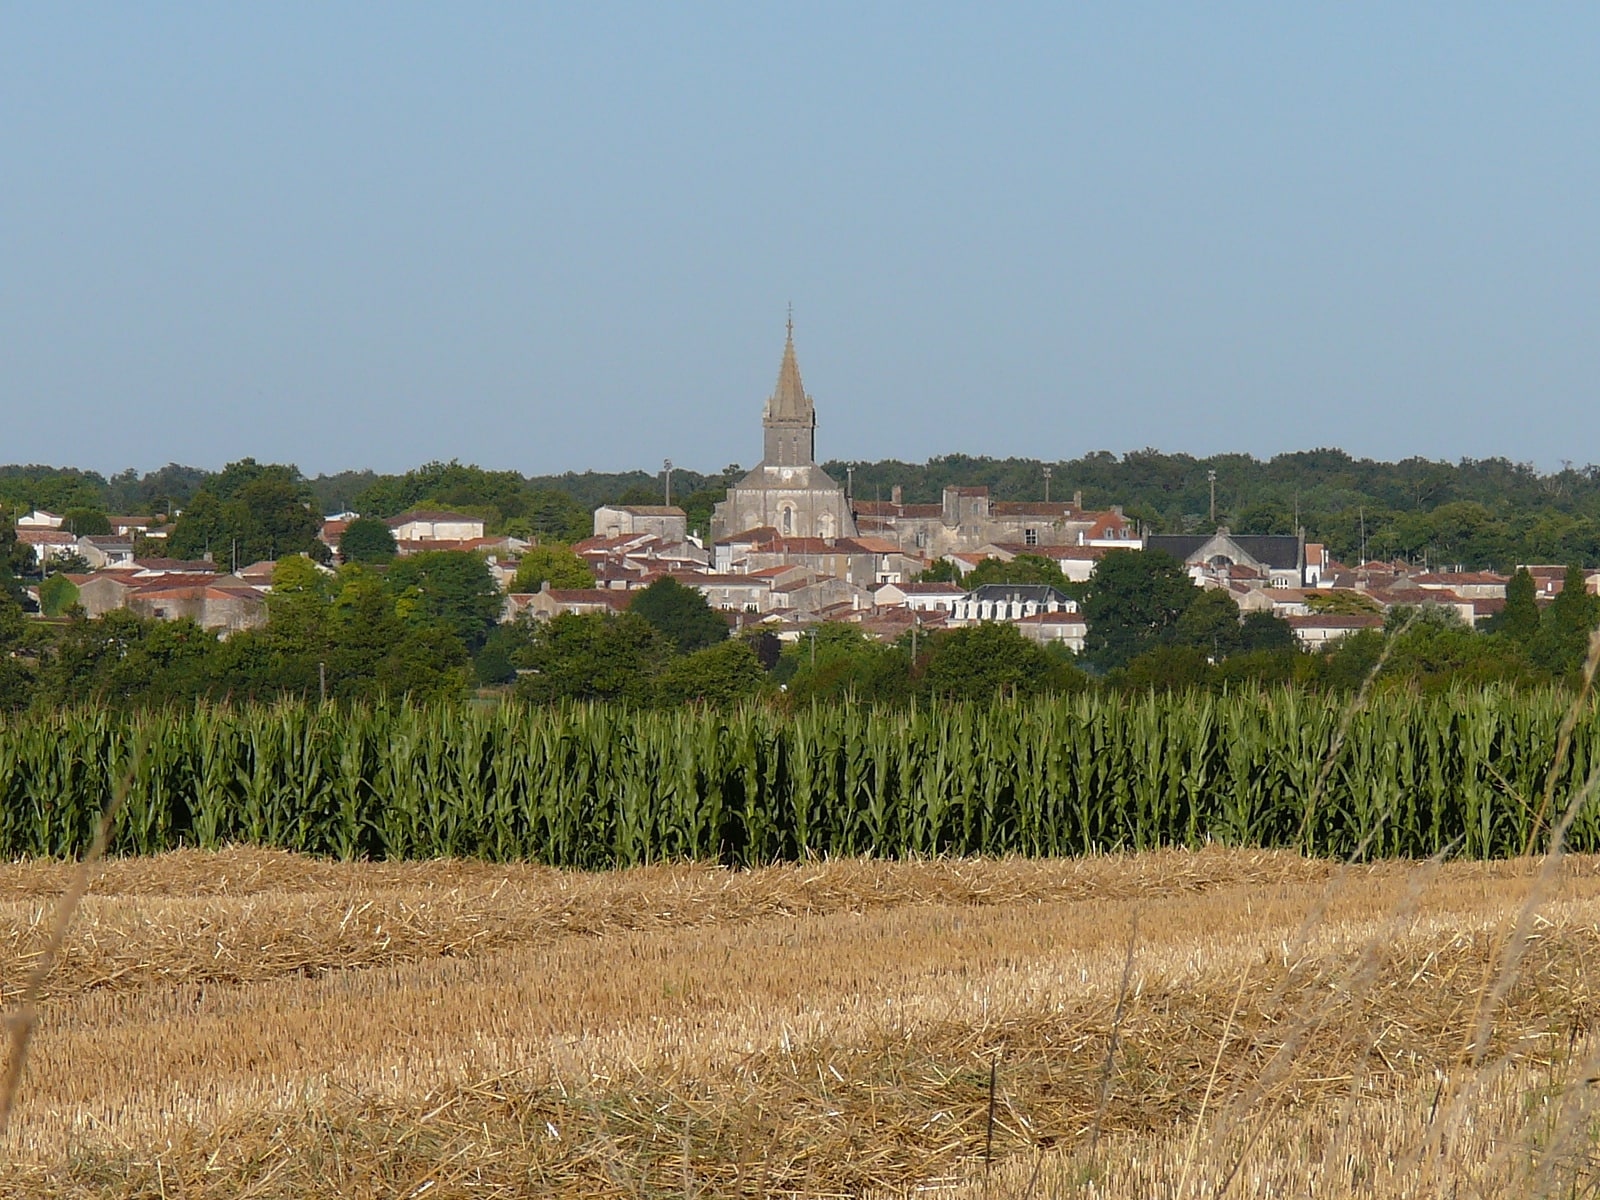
[593,787]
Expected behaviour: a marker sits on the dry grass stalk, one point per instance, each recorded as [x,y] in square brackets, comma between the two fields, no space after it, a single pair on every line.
[20,1024]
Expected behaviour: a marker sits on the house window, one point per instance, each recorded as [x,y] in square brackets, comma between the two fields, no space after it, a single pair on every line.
[788,520]
[1031,536]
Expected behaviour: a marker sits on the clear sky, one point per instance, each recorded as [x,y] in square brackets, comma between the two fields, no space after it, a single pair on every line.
[565,236]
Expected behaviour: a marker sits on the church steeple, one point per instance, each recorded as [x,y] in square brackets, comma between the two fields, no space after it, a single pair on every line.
[790,418]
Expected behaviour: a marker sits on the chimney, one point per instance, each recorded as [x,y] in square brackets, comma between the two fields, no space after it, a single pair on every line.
[895,495]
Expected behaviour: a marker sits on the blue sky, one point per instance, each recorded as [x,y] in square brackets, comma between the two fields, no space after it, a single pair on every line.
[552,237]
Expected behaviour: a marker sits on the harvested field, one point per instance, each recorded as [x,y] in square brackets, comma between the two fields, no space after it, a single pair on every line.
[250,1022]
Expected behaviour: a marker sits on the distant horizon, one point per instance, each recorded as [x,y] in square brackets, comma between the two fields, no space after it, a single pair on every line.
[823,459]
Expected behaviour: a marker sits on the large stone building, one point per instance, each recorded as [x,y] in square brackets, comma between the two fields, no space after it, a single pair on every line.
[967,520]
[788,492]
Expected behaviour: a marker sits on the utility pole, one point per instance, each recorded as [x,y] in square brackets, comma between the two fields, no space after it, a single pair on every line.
[1047,485]
[1211,478]
[322,681]
[666,464]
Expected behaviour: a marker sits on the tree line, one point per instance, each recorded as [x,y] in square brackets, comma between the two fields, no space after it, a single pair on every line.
[428,626]
[1478,513]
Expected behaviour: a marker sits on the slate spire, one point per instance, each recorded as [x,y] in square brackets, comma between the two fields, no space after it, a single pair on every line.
[790,418]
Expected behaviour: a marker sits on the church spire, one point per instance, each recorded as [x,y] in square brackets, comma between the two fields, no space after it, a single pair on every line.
[789,400]
[790,419]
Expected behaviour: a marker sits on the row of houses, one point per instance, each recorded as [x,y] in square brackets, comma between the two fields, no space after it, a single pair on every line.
[790,583]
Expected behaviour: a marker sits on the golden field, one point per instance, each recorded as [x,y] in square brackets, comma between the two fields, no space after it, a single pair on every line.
[251,1023]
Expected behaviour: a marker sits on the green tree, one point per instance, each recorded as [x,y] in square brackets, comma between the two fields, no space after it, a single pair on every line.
[125,661]
[1210,624]
[940,570]
[453,587]
[1024,568]
[1340,603]
[1167,668]
[1519,620]
[833,660]
[681,613]
[1132,604]
[367,540]
[298,611]
[554,564]
[249,512]
[374,650]
[593,656]
[86,522]
[16,558]
[16,683]
[1563,638]
[719,675]
[70,563]
[56,595]
[979,662]
[495,663]
[1264,632]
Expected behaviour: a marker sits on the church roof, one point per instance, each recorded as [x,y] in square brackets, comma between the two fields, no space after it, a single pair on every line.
[789,400]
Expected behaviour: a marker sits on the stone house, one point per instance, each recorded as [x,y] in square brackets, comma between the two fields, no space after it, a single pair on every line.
[550,602]
[920,597]
[427,525]
[731,593]
[966,518]
[1317,630]
[219,607]
[1055,628]
[106,550]
[669,523]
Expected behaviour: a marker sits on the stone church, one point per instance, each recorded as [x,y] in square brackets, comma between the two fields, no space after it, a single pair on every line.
[787,492]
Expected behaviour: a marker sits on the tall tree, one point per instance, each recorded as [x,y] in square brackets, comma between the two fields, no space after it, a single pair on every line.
[593,657]
[554,564]
[681,613]
[1133,603]
[452,587]
[1024,568]
[367,540]
[1519,620]
[249,512]
[1563,637]
[980,662]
